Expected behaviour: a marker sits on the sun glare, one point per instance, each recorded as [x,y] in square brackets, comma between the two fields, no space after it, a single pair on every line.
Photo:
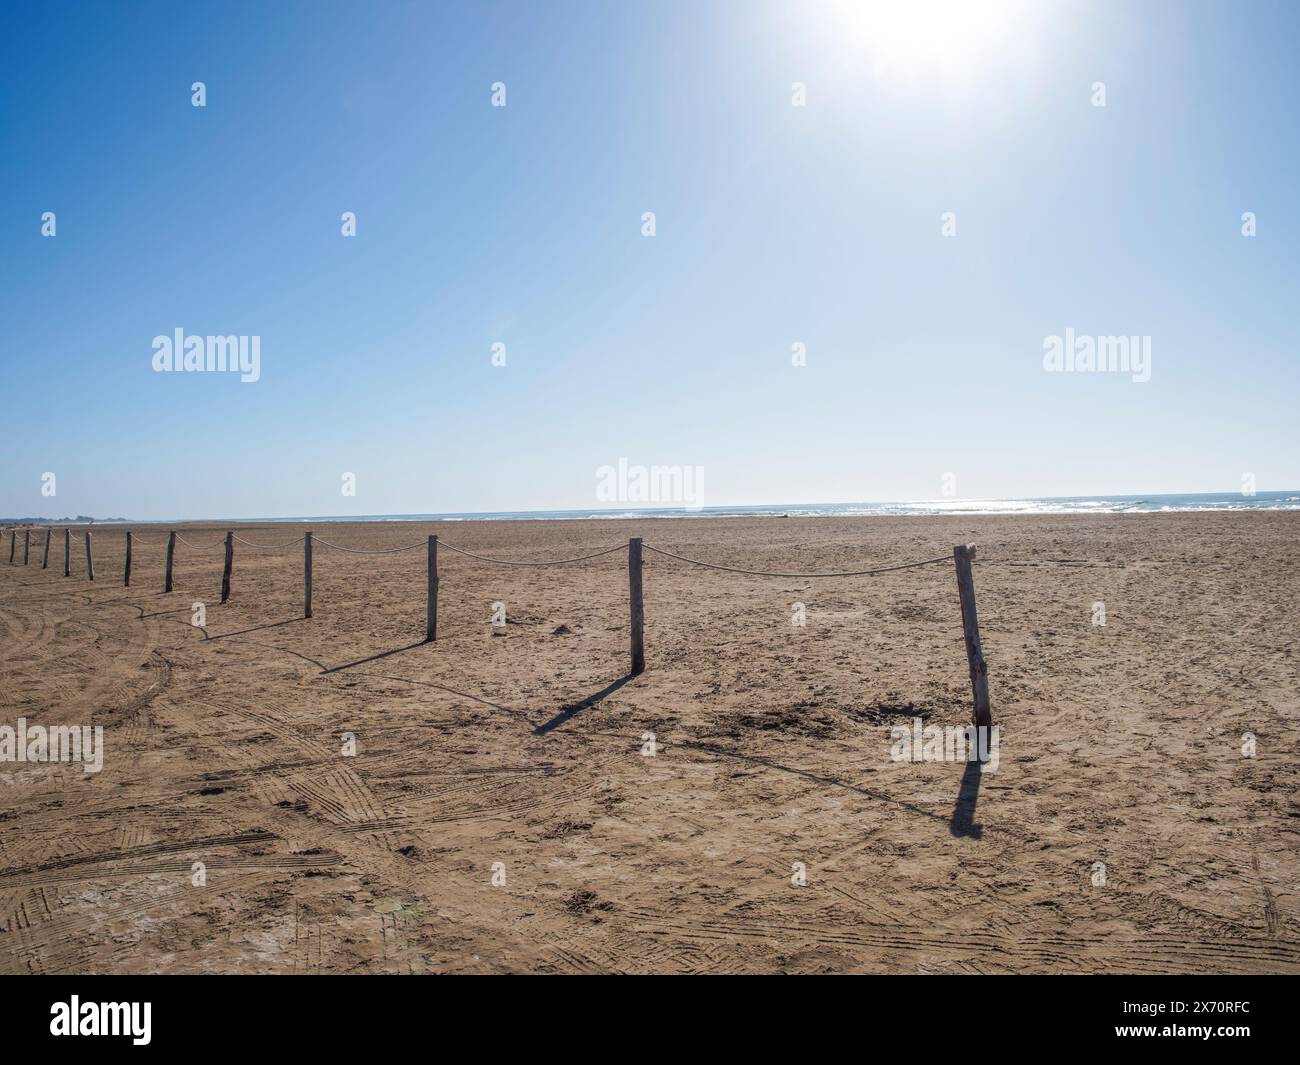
[926,38]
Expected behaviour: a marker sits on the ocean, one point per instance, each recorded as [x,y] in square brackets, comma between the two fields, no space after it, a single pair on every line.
[1091,504]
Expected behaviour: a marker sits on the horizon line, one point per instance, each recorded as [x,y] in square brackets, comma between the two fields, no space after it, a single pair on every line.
[631,512]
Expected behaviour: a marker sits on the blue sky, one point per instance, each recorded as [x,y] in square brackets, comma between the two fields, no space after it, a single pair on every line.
[776,225]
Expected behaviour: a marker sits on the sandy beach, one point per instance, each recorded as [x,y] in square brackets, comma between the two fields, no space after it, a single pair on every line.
[502,811]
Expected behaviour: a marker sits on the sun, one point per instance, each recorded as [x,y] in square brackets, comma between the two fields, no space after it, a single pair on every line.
[927,38]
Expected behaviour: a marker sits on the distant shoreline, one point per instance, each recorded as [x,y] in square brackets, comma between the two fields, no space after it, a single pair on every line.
[1193,502]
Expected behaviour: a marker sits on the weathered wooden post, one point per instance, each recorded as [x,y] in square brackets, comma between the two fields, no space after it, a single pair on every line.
[67,552]
[431,603]
[90,559]
[979,672]
[636,604]
[126,573]
[13,539]
[27,544]
[306,575]
[45,559]
[230,561]
[171,555]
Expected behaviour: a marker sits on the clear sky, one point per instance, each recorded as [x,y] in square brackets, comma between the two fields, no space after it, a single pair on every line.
[775,225]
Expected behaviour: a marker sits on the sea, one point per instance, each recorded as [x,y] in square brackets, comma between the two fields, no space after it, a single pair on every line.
[1090,504]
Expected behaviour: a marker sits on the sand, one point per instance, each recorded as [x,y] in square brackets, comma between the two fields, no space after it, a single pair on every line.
[500,813]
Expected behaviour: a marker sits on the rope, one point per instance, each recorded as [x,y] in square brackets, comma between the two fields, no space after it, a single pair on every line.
[768,573]
[270,547]
[552,562]
[577,558]
[362,551]
[208,547]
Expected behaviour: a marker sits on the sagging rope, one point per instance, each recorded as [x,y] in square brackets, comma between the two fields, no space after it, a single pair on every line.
[208,547]
[270,547]
[549,562]
[769,573]
[411,547]
[363,551]
[583,558]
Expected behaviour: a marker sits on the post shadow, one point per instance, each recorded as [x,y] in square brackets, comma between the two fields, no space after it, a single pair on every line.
[585,704]
[240,632]
[818,778]
[161,613]
[963,813]
[375,658]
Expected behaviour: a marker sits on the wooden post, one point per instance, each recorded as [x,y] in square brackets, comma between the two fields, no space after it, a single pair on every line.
[306,576]
[171,554]
[90,559]
[636,604]
[27,544]
[67,552]
[126,573]
[431,603]
[13,539]
[230,561]
[979,672]
[45,559]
